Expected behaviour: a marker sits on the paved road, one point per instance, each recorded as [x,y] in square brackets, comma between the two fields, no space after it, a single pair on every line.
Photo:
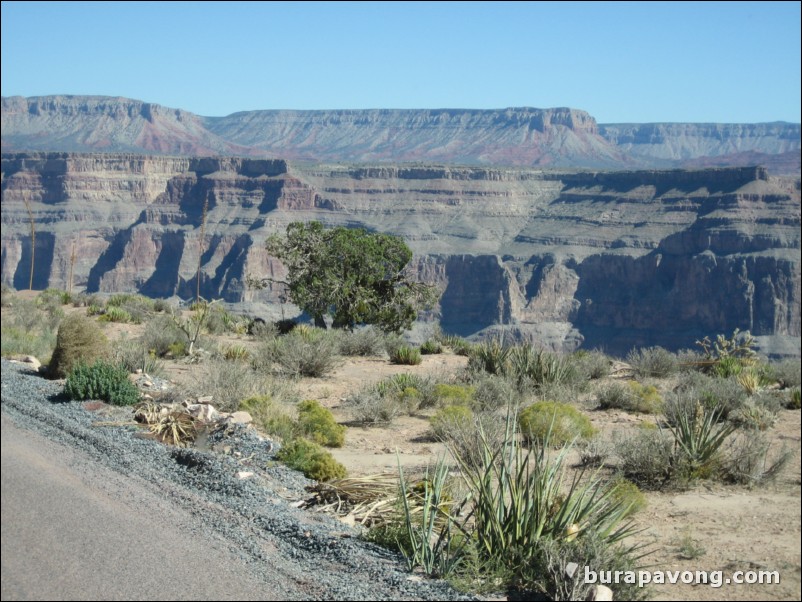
[72,529]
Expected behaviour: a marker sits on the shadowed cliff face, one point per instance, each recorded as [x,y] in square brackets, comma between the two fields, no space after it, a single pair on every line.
[605,259]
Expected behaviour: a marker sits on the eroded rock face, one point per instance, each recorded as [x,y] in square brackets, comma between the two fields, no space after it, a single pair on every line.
[603,259]
[524,136]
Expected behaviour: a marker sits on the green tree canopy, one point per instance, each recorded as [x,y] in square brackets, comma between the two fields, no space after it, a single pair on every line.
[356,276]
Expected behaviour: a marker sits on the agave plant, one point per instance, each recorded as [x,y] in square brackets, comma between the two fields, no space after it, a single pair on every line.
[699,436]
[176,428]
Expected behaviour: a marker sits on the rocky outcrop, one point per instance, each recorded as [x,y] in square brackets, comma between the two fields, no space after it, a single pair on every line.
[521,136]
[570,259]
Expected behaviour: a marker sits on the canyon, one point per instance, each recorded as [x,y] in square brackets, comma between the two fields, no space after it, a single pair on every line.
[569,258]
[518,136]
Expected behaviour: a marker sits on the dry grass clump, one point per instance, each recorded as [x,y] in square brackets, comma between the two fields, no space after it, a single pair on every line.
[79,339]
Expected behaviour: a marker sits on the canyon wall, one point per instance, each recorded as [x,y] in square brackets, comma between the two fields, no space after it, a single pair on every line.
[572,259]
[519,136]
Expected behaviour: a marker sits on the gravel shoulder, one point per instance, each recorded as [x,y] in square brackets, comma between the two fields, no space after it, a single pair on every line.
[93,512]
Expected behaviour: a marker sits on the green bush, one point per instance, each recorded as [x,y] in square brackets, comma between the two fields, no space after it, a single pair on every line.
[628,494]
[311,459]
[648,457]
[302,352]
[489,356]
[27,329]
[631,397]
[654,362]
[794,401]
[449,419]
[531,367]
[592,365]
[494,392]
[370,406]
[431,347]
[162,336]
[563,422]
[115,314]
[367,341]
[102,380]
[448,394]
[723,393]
[79,339]
[318,424]
[787,373]
[407,356]
[270,417]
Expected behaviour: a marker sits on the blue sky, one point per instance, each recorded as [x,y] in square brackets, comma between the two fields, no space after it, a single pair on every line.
[620,61]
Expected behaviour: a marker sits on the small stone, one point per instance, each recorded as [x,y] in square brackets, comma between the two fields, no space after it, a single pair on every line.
[244,474]
[35,363]
[203,411]
[570,569]
[205,399]
[600,593]
[240,417]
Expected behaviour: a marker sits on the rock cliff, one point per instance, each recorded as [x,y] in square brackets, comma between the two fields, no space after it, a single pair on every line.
[522,136]
[592,259]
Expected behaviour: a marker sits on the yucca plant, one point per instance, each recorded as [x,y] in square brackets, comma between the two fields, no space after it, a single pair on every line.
[699,437]
[176,428]
[407,356]
[521,497]
[432,531]
[489,356]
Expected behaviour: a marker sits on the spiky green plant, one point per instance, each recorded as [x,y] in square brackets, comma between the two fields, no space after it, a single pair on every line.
[699,436]
[407,356]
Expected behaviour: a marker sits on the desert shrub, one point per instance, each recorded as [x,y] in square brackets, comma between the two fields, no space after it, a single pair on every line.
[270,416]
[405,355]
[546,574]
[793,402]
[27,329]
[448,394]
[631,397]
[489,356]
[161,336]
[365,342]
[409,391]
[449,419]
[115,314]
[79,339]
[748,460]
[757,413]
[431,347]
[725,394]
[627,494]
[311,459]
[261,330]
[317,423]
[53,297]
[229,383]
[494,392]
[648,457]
[787,373]
[594,450]
[235,353]
[698,438]
[728,366]
[531,367]
[133,356]
[560,421]
[138,307]
[102,380]
[592,365]
[303,352]
[369,406]
[653,362]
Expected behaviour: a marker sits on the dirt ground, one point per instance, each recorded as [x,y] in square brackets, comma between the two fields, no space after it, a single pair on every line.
[709,527]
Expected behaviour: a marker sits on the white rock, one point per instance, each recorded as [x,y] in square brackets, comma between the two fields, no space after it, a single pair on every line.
[600,593]
[244,474]
[203,411]
[240,417]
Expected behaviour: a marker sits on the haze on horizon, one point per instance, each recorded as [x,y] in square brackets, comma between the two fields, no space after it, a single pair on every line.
[727,62]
